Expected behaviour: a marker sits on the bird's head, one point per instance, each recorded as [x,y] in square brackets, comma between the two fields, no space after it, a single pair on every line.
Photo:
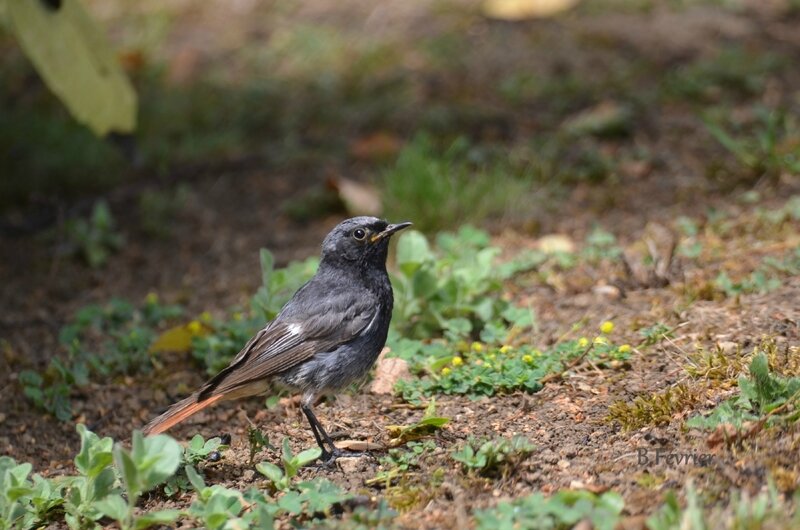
[359,239]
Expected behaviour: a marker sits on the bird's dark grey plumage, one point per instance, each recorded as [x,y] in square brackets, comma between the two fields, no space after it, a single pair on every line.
[327,336]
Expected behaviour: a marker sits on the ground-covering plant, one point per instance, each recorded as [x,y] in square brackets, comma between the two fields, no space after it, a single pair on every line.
[765,510]
[767,147]
[455,289]
[654,409]
[438,188]
[94,239]
[493,456]
[127,332]
[484,370]
[763,395]
[282,478]
[111,479]
[563,510]
[399,460]
[427,425]
[766,278]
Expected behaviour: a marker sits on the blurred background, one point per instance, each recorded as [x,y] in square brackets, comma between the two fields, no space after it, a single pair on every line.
[259,124]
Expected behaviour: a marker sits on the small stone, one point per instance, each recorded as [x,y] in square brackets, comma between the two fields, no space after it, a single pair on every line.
[348,464]
[248,475]
[563,464]
[727,347]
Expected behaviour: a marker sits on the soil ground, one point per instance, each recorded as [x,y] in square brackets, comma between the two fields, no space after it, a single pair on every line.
[209,262]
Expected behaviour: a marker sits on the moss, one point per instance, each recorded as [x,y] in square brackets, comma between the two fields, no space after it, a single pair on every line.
[656,409]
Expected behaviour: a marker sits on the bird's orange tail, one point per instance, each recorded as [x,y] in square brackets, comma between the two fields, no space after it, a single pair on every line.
[179,412]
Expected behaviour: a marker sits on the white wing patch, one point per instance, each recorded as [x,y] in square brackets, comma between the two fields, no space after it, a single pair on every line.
[294,329]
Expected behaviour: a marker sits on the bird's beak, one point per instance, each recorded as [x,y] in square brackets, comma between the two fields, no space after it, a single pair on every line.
[388,231]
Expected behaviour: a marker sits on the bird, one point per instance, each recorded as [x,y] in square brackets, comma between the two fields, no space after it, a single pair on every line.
[327,336]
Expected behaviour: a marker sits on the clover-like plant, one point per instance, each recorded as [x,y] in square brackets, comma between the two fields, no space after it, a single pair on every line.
[282,478]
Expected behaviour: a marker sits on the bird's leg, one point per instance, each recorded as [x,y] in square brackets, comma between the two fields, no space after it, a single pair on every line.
[321,436]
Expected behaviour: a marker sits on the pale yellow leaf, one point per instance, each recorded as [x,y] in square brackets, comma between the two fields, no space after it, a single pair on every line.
[76,62]
[179,338]
[525,9]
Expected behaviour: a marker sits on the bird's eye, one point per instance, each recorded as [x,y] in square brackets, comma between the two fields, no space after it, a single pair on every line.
[359,234]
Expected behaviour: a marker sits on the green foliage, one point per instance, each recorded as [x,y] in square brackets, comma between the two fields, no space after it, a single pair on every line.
[426,426]
[217,349]
[257,441]
[757,282]
[654,334]
[766,510]
[441,188]
[111,479]
[655,409]
[483,370]
[216,506]
[456,289]
[278,285]
[601,245]
[734,69]
[199,449]
[150,462]
[95,239]
[220,507]
[762,280]
[282,478]
[128,334]
[24,502]
[769,147]
[562,510]
[760,394]
[493,456]
[399,460]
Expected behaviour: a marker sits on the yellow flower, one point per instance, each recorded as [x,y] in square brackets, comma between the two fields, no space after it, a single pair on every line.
[505,349]
[457,361]
[600,340]
[205,316]
[194,327]
[446,371]
[583,342]
[477,346]
[527,359]
[607,327]
[625,348]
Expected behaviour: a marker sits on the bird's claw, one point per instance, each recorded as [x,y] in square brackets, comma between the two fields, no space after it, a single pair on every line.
[328,458]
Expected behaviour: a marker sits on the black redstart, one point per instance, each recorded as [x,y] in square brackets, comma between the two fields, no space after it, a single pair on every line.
[326,337]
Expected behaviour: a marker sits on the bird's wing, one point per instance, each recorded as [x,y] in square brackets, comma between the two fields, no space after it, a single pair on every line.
[286,342]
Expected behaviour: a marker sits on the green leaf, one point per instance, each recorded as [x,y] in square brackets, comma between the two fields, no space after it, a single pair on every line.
[271,471]
[127,469]
[267,268]
[113,506]
[308,456]
[76,63]
[162,517]
[412,252]
[195,479]
[291,502]
[435,421]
